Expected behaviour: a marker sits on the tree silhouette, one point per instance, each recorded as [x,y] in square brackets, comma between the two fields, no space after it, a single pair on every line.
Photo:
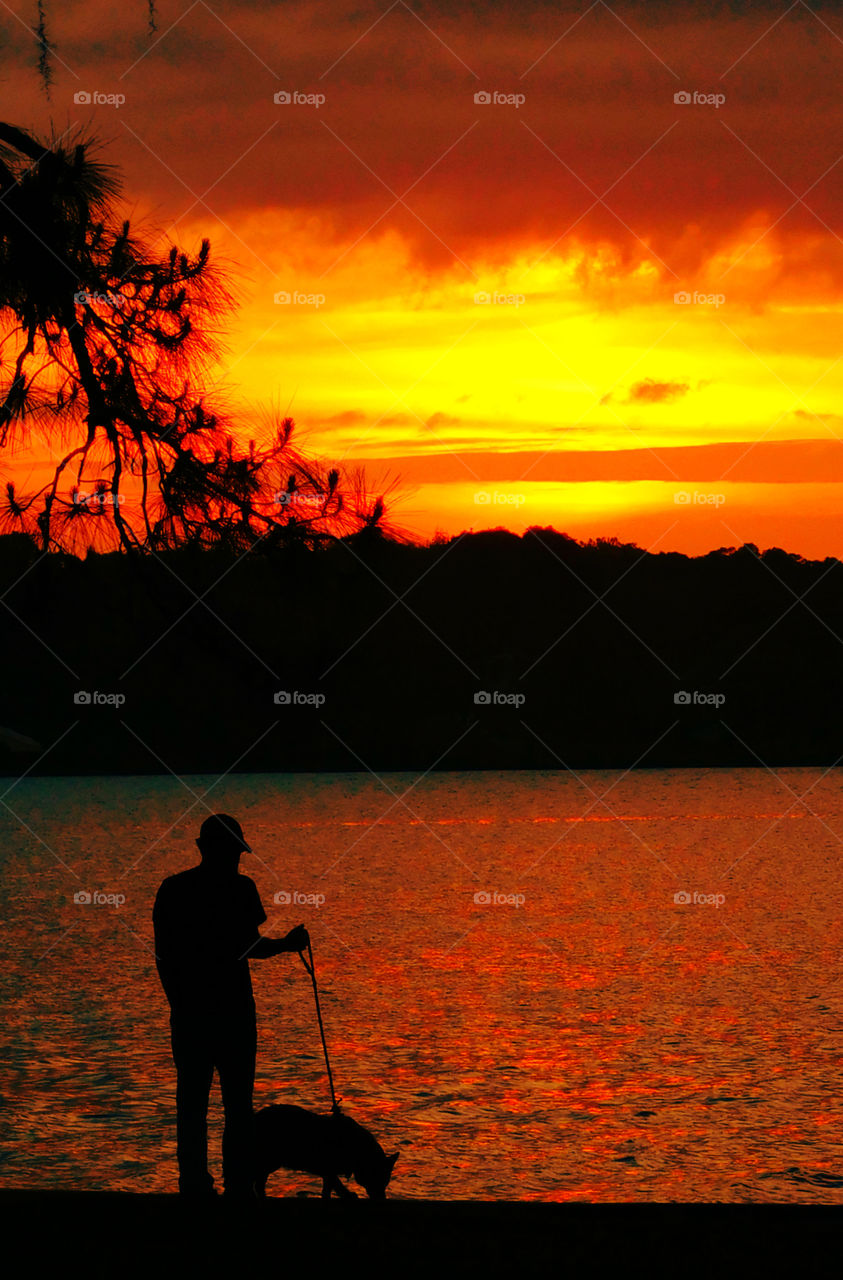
[103,349]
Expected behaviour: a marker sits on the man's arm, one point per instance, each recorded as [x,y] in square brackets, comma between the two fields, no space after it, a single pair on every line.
[163,962]
[296,940]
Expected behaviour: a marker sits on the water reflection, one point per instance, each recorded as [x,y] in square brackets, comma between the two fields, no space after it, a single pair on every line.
[595,1039]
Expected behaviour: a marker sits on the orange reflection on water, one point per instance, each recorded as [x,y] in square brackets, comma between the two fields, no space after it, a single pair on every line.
[597,1041]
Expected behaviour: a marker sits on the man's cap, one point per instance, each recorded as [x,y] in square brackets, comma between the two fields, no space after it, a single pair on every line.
[220,830]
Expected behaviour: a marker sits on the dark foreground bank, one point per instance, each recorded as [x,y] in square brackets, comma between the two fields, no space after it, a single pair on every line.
[114,1235]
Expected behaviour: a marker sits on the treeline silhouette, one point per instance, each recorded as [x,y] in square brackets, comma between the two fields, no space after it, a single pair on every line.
[382,647]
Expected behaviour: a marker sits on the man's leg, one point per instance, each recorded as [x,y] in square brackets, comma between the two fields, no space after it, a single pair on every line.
[194,1071]
[235,1062]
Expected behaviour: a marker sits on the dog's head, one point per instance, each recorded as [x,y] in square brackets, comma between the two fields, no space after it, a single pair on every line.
[373,1175]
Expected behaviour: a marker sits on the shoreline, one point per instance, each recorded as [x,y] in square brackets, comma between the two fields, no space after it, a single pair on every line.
[126,1233]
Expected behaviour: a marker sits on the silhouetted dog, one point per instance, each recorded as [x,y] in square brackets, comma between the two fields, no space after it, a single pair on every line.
[331,1146]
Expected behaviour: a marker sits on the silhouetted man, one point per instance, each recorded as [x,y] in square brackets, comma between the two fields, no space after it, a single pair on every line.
[206,929]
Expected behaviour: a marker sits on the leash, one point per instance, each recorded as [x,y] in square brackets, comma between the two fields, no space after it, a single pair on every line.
[311,969]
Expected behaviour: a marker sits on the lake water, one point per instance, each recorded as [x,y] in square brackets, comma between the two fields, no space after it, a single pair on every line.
[577,1035]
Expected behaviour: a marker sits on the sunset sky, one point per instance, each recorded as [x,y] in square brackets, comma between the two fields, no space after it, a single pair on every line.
[483,293]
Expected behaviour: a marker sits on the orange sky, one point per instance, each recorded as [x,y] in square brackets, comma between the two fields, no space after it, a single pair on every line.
[482,294]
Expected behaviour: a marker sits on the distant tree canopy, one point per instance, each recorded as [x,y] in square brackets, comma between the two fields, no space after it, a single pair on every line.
[104,344]
[622,658]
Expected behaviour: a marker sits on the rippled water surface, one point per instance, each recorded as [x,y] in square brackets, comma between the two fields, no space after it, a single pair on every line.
[513,997]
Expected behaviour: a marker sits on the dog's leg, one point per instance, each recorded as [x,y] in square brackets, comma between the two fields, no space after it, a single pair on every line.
[342,1190]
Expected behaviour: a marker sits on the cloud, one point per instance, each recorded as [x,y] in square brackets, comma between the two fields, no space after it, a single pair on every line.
[651,392]
[771,462]
[440,419]
[598,157]
[819,416]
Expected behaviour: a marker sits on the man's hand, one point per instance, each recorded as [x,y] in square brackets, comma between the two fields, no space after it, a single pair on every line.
[297,939]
